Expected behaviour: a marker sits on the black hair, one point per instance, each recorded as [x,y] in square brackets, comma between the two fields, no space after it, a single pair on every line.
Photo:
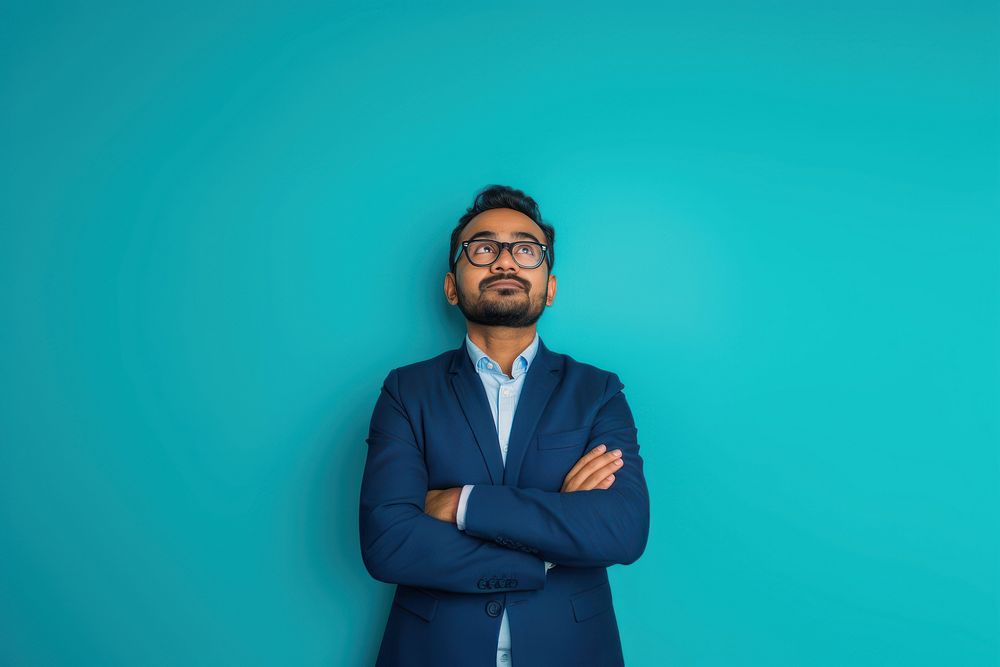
[503,196]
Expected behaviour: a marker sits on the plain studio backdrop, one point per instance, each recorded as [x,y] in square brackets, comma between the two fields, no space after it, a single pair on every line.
[221,226]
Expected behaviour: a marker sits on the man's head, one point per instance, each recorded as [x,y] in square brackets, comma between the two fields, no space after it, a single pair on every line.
[504,214]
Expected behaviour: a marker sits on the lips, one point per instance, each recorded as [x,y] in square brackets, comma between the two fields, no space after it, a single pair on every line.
[505,283]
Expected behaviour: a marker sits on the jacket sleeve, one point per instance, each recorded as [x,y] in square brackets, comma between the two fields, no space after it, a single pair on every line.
[400,543]
[595,528]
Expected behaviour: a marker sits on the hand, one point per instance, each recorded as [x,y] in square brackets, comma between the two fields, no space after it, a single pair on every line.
[594,470]
[442,504]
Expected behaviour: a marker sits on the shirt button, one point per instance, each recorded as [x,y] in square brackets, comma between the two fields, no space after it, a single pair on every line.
[506,392]
[489,365]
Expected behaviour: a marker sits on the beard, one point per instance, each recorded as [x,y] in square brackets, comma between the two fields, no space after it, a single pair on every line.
[505,309]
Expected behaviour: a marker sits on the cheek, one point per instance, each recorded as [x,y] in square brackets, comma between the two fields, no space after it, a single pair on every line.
[467,281]
[470,284]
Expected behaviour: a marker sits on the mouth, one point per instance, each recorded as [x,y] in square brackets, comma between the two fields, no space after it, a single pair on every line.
[509,284]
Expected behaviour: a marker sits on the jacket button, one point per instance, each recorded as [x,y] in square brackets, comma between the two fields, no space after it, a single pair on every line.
[493,608]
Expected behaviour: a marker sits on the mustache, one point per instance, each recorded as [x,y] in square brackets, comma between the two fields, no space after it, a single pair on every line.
[484,285]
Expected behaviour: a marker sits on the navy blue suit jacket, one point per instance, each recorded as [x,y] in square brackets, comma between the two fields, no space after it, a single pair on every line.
[432,429]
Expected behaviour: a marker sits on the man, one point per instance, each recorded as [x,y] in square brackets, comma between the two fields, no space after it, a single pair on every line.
[502,479]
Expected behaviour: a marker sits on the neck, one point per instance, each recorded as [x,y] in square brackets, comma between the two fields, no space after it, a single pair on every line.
[502,344]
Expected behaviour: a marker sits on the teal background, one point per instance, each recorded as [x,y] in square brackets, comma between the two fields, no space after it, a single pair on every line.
[222,226]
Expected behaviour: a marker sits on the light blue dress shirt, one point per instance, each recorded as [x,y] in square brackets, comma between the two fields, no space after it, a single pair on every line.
[503,393]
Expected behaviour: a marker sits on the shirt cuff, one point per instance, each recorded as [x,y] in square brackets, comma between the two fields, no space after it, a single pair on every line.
[463,500]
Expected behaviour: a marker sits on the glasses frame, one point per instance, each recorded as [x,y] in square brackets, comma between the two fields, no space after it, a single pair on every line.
[508,245]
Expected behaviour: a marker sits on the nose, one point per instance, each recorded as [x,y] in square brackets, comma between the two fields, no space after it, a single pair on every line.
[505,262]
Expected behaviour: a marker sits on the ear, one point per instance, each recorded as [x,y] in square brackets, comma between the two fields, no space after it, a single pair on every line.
[450,288]
[550,292]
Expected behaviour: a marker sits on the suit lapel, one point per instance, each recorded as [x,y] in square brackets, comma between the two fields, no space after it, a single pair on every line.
[540,381]
[472,397]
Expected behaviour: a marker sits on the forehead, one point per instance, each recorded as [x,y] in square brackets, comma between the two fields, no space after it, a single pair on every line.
[506,224]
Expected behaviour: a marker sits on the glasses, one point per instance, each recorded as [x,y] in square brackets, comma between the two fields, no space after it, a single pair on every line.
[483,252]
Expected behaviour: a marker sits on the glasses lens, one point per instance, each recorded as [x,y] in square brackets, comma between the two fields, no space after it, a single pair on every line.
[482,253]
[528,255]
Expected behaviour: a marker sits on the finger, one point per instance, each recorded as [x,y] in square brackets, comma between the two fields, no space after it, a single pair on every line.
[602,473]
[586,480]
[585,459]
[600,462]
[606,482]
[581,462]
[595,481]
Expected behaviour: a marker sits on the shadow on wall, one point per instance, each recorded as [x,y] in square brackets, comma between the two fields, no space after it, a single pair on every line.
[332,503]
[330,509]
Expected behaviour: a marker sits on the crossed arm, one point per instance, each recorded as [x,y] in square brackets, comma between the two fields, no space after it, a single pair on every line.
[594,470]
[590,528]
[401,543]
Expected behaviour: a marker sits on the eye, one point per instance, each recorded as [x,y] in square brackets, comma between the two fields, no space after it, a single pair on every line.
[480,248]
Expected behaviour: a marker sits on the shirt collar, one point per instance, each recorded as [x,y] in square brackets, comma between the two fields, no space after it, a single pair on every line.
[481,361]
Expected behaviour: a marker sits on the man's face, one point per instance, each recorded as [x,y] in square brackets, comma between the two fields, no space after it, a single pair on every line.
[502,294]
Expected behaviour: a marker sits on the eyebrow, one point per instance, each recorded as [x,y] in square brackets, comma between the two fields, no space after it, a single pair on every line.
[492,235]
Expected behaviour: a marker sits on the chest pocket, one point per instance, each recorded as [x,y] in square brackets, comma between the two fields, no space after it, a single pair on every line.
[564,439]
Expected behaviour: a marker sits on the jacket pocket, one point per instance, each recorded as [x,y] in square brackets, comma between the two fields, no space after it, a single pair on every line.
[563,439]
[591,602]
[417,601]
